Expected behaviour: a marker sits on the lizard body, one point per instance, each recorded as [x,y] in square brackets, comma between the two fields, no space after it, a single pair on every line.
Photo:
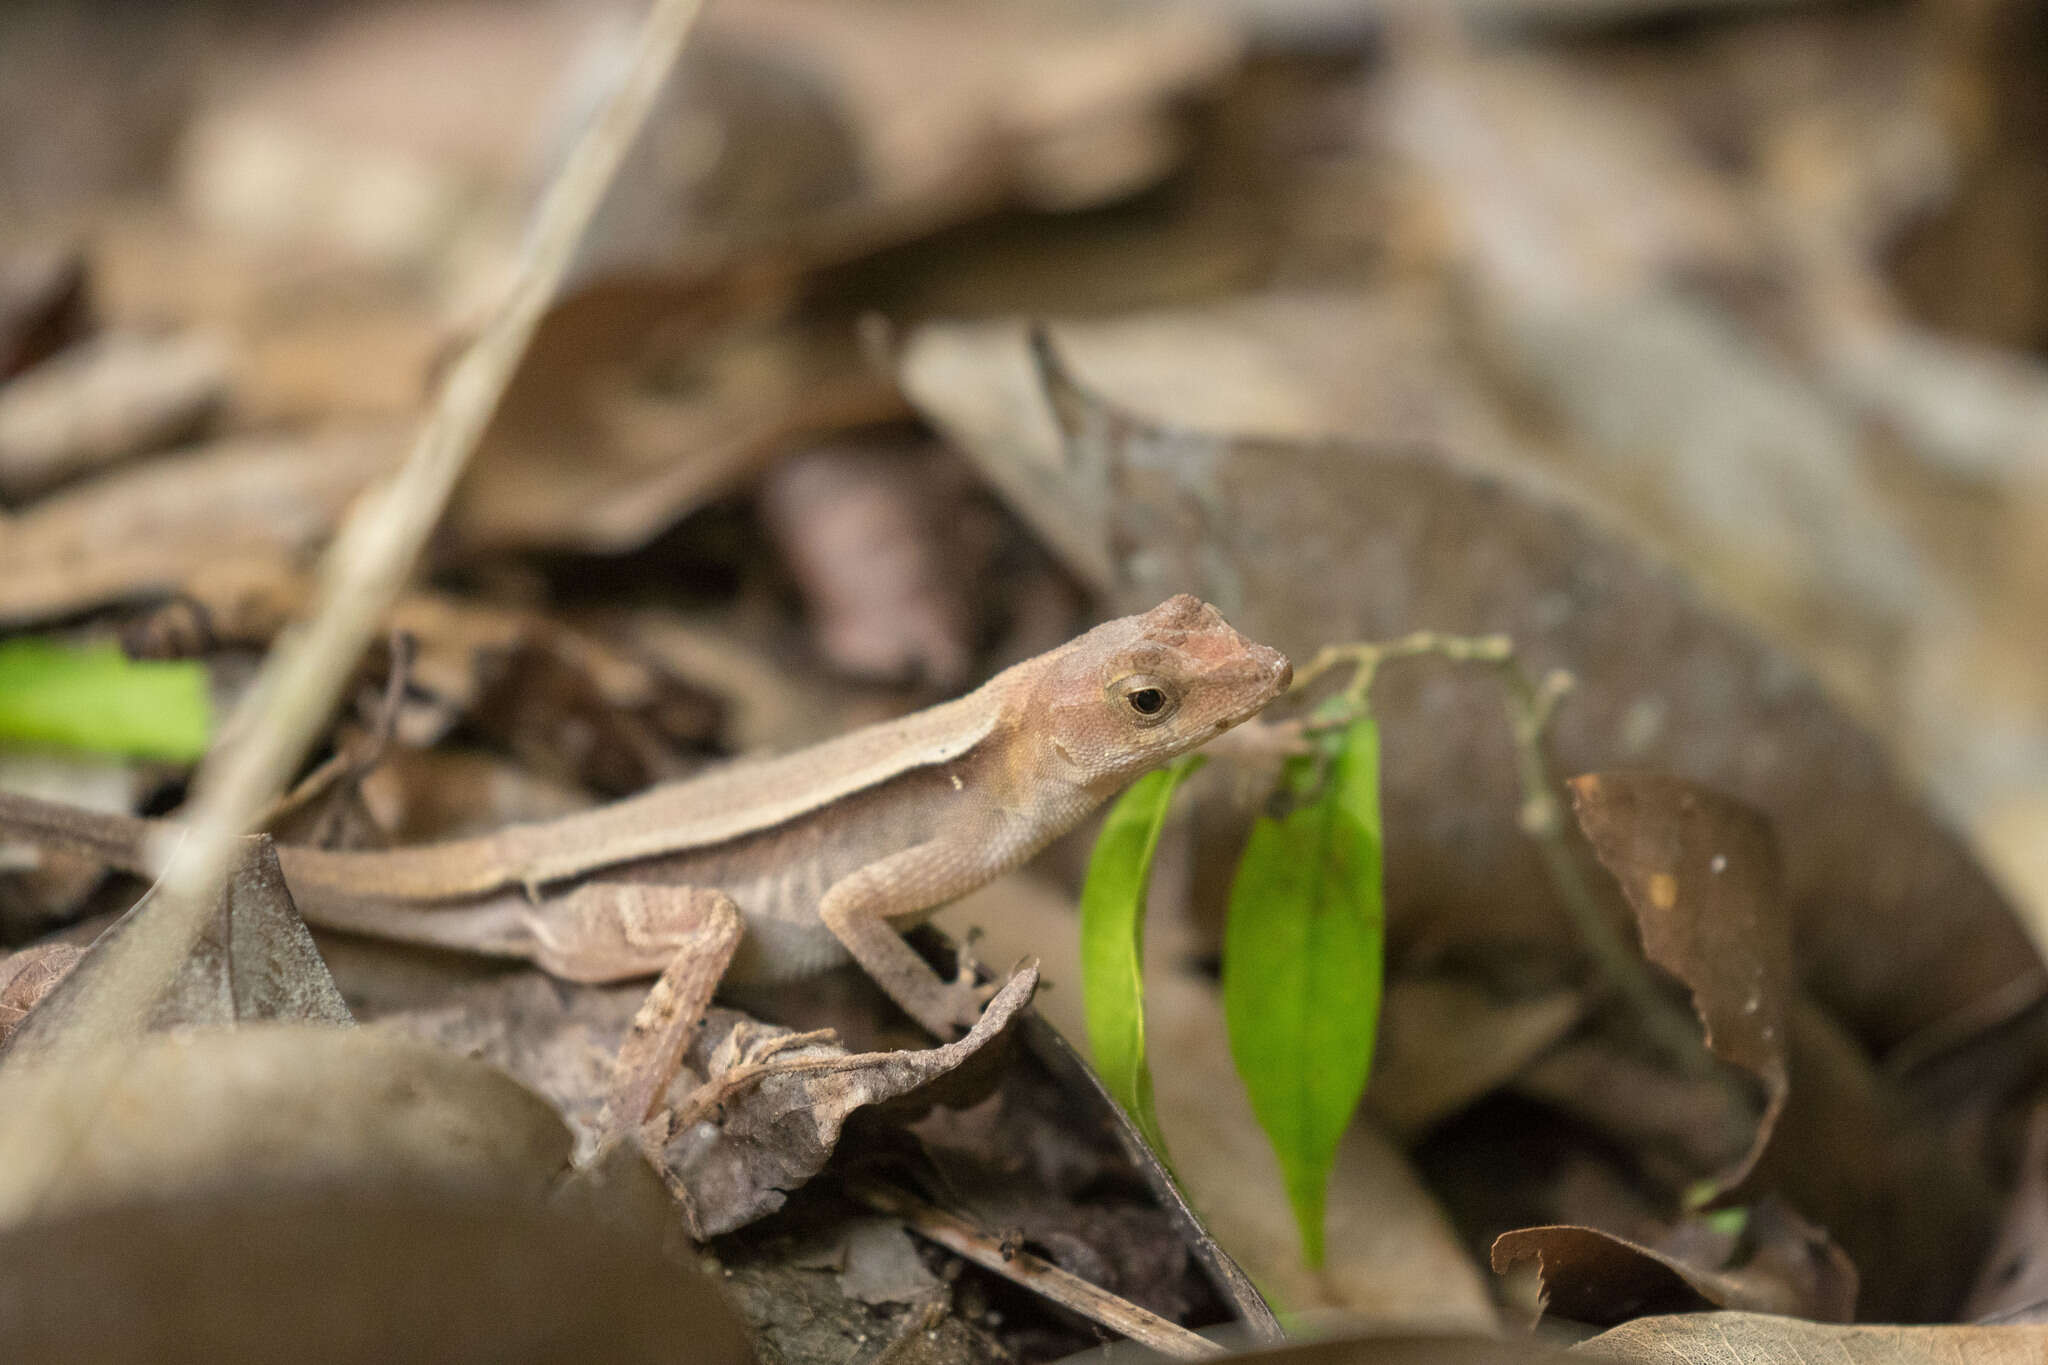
[824,852]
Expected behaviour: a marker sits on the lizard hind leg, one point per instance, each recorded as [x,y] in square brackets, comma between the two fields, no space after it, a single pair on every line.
[701,928]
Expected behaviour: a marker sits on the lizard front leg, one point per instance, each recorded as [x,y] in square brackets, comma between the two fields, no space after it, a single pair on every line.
[858,909]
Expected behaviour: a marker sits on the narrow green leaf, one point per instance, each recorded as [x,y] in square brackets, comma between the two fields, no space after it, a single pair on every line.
[1302,956]
[1113,941]
[101,700]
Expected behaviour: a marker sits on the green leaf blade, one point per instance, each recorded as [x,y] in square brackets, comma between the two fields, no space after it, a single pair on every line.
[98,699]
[1302,963]
[1113,941]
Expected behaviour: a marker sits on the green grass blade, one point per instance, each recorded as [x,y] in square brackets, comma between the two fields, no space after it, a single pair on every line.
[99,699]
[1113,941]
[1302,957]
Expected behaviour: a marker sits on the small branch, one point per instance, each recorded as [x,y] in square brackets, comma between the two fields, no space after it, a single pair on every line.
[1530,706]
[365,568]
[1041,1277]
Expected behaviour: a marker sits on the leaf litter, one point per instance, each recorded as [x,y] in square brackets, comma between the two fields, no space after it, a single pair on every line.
[1348,349]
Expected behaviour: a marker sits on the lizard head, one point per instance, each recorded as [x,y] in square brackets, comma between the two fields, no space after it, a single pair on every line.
[1135,692]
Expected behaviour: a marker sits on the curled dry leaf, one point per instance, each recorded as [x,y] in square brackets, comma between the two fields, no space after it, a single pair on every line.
[103,400]
[1761,1339]
[1701,873]
[144,532]
[772,1103]
[1593,1276]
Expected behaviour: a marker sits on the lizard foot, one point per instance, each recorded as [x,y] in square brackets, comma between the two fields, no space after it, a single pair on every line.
[959,1004]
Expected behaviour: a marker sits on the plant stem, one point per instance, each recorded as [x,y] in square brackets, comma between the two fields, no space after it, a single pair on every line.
[1530,706]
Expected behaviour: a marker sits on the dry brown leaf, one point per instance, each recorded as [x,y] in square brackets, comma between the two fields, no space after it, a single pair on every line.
[1574,269]
[1701,872]
[143,533]
[883,1264]
[1894,923]
[1889,1178]
[377,1268]
[795,136]
[1444,1042]
[1593,1276]
[41,887]
[416,796]
[42,304]
[1380,364]
[2013,1285]
[346,142]
[29,975]
[1759,1339]
[268,1105]
[1058,108]
[781,1099]
[561,1042]
[1896,927]
[1675,1126]
[773,704]
[257,962]
[639,401]
[880,535]
[103,400]
[572,705]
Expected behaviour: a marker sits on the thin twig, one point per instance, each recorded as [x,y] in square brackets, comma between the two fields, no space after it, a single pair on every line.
[357,753]
[1041,1277]
[369,563]
[1530,706]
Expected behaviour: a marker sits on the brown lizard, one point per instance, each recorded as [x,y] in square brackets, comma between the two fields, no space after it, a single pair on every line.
[777,868]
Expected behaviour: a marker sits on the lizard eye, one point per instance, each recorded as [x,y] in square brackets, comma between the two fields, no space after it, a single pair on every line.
[1148,700]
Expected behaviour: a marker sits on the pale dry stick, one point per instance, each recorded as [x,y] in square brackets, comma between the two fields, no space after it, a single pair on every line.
[1530,706]
[1041,1277]
[369,563]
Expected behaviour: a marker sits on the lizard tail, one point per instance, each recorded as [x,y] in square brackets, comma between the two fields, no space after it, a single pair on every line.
[449,871]
[446,871]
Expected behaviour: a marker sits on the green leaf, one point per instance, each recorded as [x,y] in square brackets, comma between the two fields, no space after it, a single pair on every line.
[1302,954]
[1113,941]
[99,699]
